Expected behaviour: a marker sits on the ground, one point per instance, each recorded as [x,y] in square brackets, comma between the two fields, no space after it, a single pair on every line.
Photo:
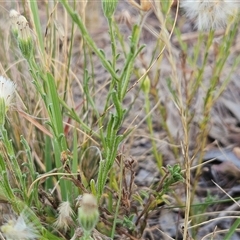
[223,138]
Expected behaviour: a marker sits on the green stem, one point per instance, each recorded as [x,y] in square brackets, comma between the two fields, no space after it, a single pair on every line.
[113,42]
[37,24]
[13,159]
[128,67]
[118,202]
[76,18]
[157,155]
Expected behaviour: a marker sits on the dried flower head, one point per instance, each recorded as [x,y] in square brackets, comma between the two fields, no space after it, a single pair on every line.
[144,5]
[18,229]
[124,18]
[23,27]
[210,14]
[14,15]
[25,41]
[88,214]
[64,217]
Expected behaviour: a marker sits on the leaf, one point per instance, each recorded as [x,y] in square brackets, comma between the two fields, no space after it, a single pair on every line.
[34,122]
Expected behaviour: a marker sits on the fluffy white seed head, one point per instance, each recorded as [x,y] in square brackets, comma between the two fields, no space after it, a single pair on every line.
[7,90]
[18,229]
[211,14]
[14,14]
[64,217]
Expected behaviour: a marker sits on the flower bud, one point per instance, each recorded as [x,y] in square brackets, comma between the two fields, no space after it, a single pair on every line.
[109,7]
[25,41]
[146,5]
[88,214]
[146,84]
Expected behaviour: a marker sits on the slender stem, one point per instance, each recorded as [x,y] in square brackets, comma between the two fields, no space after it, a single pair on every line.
[76,18]
[119,200]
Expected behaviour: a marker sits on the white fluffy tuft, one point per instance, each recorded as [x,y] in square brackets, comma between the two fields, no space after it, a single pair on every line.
[210,14]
